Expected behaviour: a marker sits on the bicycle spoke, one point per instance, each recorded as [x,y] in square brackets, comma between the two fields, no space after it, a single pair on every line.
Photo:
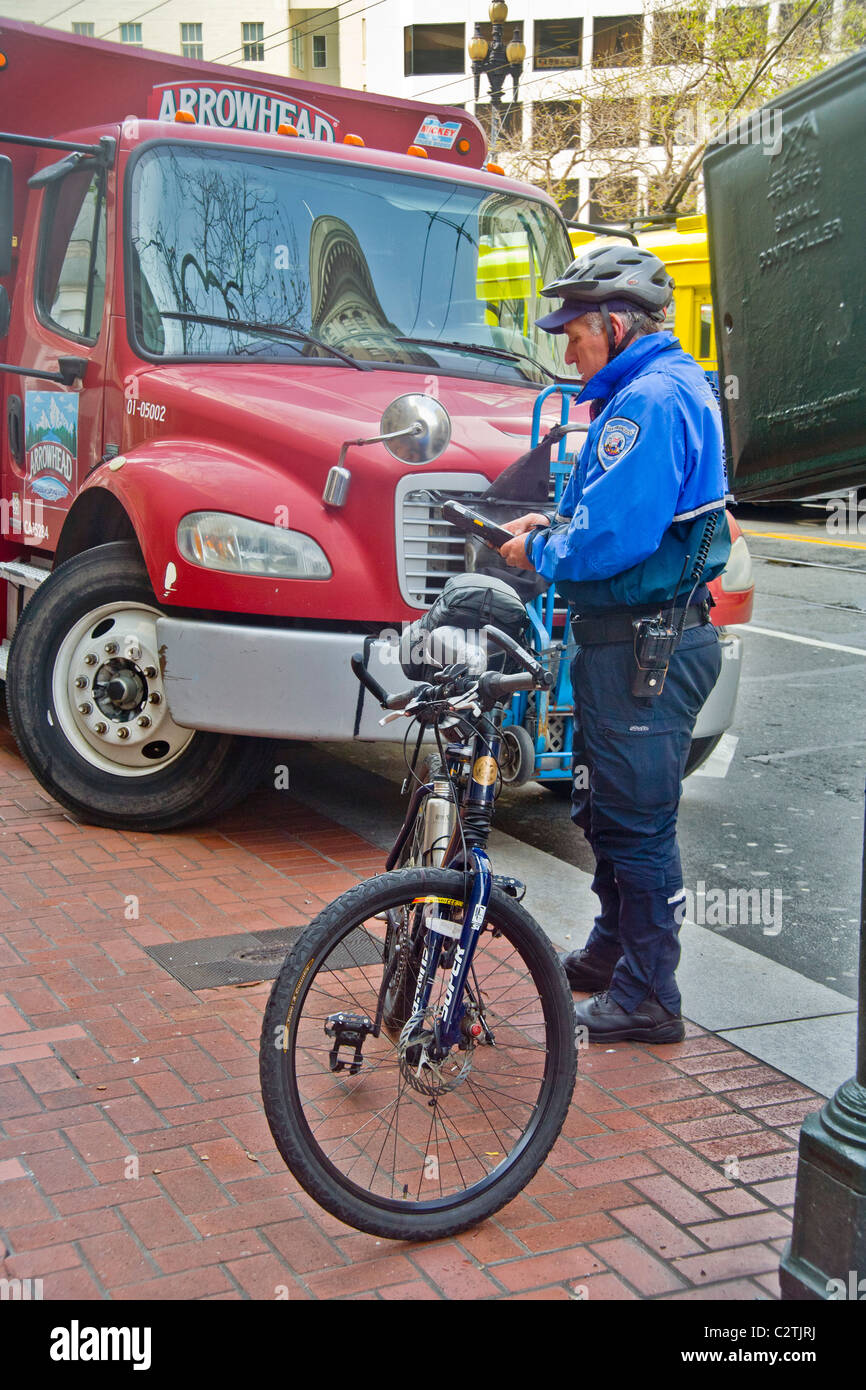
[420,1126]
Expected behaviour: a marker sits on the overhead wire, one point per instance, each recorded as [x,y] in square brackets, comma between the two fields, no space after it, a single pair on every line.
[51,17]
[674,6]
[678,191]
[134,20]
[319,28]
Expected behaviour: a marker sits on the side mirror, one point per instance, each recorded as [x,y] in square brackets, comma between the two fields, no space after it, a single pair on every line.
[5,215]
[416,428]
[4,312]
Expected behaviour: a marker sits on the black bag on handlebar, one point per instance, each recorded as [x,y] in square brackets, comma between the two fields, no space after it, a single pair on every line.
[467,602]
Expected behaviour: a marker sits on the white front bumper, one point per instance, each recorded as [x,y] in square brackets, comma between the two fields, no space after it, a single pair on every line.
[274,682]
[286,683]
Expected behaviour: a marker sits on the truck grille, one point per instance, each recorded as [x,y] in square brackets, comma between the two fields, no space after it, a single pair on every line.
[429,551]
[432,550]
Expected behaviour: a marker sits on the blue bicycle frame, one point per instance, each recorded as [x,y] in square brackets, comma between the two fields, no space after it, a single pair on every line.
[477,806]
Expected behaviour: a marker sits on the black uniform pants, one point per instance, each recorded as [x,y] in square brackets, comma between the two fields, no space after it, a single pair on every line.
[628,764]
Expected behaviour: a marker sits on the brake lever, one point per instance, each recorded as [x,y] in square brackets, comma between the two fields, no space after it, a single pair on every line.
[468,701]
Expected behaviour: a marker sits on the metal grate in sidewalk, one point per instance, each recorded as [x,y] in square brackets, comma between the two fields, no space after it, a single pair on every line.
[215,961]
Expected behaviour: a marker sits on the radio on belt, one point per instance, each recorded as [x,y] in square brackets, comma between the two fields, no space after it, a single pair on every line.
[655,642]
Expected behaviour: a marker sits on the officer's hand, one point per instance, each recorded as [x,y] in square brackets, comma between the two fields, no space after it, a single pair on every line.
[522,524]
[514,552]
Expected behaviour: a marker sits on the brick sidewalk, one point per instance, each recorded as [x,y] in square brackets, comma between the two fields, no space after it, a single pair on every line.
[135,1160]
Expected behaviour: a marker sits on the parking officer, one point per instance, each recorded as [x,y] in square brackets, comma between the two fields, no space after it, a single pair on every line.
[643,507]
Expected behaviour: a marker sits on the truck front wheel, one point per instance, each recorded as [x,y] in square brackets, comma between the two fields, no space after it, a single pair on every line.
[88,710]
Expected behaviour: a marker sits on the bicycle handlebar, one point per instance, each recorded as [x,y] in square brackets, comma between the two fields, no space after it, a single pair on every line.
[503,687]
[398,701]
[491,686]
[526,659]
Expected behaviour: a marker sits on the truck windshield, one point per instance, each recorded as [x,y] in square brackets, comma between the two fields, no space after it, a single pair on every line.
[379,266]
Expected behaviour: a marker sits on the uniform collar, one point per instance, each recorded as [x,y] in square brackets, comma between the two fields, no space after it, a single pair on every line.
[627,365]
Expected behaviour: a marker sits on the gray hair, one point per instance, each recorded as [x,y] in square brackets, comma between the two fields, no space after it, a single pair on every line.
[631,318]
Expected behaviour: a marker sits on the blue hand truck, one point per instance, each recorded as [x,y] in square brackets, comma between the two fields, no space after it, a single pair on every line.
[538,729]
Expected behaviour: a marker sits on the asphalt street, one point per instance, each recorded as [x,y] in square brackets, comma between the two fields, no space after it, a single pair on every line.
[786,818]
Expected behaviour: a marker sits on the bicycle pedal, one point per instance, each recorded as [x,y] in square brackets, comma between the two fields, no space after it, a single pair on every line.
[514,887]
[347,1030]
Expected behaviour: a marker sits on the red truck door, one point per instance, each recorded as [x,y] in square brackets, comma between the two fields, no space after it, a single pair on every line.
[60,311]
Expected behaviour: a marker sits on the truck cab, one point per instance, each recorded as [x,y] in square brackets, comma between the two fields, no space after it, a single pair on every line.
[240,338]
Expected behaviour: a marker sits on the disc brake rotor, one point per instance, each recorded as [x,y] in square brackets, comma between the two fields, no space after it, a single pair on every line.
[424,1073]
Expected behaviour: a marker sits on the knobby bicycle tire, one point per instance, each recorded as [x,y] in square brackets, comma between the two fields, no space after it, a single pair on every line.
[328,1126]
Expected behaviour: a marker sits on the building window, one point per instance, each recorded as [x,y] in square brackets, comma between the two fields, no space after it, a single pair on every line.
[84,31]
[510,121]
[673,121]
[131,33]
[557,43]
[678,36]
[431,49]
[617,40]
[556,123]
[614,124]
[741,31]
[298,52]
[612,199]
[813,30]
[569,206]
[191,45]
[320,51]
[508,29]
[253,39]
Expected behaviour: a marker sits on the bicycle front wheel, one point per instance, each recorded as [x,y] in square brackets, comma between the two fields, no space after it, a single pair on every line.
[390,1142]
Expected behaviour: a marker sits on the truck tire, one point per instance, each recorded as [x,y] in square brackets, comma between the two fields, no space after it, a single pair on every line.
[700,750]
[88,710]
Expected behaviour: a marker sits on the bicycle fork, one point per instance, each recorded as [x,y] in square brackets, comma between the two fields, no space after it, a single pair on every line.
[447,1028]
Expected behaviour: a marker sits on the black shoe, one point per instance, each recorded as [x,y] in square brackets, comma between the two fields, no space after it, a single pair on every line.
[608,1021]
[586,970]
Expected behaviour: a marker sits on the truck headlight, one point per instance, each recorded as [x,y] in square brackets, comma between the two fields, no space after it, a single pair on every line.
[220,541]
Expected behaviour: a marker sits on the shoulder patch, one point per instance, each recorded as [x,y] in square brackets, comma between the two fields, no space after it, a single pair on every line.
[617,437]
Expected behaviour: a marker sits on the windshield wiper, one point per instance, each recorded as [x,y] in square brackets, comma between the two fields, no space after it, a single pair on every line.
[509,354]
[273,330]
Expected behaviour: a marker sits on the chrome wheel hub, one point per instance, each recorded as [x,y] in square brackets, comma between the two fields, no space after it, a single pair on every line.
[109,694]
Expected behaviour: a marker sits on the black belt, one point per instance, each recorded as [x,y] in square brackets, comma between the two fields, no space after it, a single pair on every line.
[619,627]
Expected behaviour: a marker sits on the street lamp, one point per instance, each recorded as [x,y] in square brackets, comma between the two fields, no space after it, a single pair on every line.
[497,61]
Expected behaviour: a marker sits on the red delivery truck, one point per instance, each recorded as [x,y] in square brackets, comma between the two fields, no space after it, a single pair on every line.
[245,347]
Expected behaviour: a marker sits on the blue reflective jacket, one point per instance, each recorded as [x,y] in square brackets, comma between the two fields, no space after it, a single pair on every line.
[649,474]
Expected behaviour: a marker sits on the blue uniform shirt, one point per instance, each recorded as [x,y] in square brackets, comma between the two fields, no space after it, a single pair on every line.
[649,474]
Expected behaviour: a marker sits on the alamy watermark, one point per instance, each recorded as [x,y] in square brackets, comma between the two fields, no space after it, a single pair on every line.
[25,518]
[852,1289]
[437,648]
[731,907]
[20,1290]
[846,516]
[83,1343]
[762,128]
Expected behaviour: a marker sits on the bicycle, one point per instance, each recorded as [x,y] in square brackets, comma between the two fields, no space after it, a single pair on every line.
[417,1053]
